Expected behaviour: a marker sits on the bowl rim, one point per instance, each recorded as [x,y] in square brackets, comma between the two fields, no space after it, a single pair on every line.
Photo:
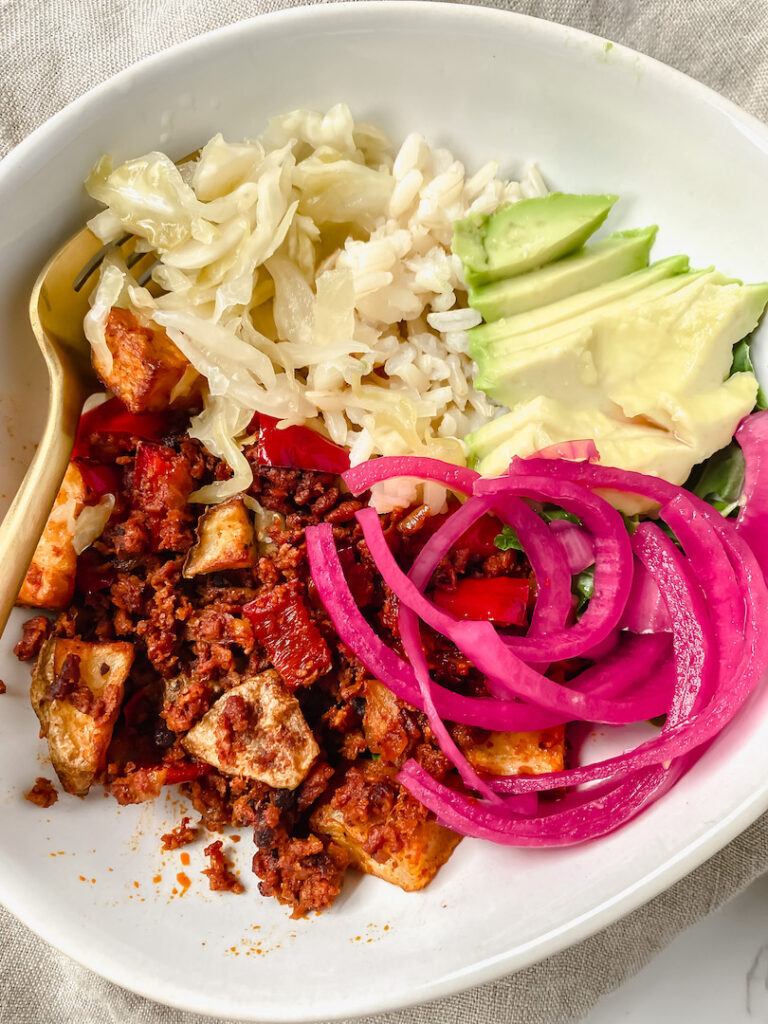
[655,881]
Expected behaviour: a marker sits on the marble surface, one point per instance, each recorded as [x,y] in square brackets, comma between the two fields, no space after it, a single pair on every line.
[715,973]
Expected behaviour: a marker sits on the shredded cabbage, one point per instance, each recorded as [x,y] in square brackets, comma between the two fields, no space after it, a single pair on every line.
[218,426]
[89,525]
[306,274]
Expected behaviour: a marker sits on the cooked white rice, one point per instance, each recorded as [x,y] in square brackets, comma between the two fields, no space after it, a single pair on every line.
[309,274]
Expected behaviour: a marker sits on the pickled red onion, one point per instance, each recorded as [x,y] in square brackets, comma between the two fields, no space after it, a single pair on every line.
[361,478]
[710,598]
[576,543]
[621,672]
[752,437]
[480,642]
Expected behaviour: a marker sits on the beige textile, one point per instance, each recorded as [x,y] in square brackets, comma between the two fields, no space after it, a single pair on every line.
[51,51]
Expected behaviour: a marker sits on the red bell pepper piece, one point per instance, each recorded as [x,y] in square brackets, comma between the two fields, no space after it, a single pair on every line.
[478,539]
[292,641]
[184,772]
[297,448]
[501,599]
[112,417]
[161,479]
[358,580]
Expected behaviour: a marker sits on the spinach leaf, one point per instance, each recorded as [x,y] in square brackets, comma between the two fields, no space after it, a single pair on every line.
[507,540]
[551,512]
[720,480]
[742,363]
[583,587]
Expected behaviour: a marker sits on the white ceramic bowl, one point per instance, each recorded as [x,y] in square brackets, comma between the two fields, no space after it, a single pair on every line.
[597,118]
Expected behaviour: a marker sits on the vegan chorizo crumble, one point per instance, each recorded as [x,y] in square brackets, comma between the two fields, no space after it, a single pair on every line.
[43,793]
[190,648]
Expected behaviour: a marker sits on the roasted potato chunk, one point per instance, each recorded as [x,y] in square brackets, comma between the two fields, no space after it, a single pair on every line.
[50,579]
[514,753]
[385,831]
[146,366]
[225,540]
[256,730]
[388,723]
[77,689]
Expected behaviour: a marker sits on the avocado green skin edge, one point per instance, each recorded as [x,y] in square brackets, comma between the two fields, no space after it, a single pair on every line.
[488,253]
[613,257]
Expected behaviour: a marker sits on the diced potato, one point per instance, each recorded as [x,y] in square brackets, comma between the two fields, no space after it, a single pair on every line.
[78,740]
[385,831]
[256,730]
[50,579]
[387,724]
[225,540]
[147,368]
[515,753]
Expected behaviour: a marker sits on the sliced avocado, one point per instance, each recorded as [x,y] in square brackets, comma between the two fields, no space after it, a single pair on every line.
[706,422]
[621,442]
[525,235]
[672,273]
[563,368]
[614,257]
[679,345]
[577,305]
[658,358]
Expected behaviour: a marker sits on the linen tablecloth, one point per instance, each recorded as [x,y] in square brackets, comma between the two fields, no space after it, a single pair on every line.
[52,51]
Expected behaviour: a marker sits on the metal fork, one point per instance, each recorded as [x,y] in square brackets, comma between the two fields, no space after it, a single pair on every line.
[57,306]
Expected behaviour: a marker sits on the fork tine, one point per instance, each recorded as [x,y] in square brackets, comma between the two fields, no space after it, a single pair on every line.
[134,258]
[96,260]
[146,274]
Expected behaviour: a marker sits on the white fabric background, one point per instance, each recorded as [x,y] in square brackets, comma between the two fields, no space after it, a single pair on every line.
[52,51]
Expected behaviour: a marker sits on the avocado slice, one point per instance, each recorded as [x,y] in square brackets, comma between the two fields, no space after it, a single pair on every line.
[671,272]
[543,421]
[658,358]
[499,357]
[522,236]
[621,442]
[681,344]
[614,257]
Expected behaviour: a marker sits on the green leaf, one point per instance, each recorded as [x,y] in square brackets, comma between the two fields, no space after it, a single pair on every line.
[507,540]
[669,532]
[583,587]
[742,363]
[631,522]
[550,512]
[720,480]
